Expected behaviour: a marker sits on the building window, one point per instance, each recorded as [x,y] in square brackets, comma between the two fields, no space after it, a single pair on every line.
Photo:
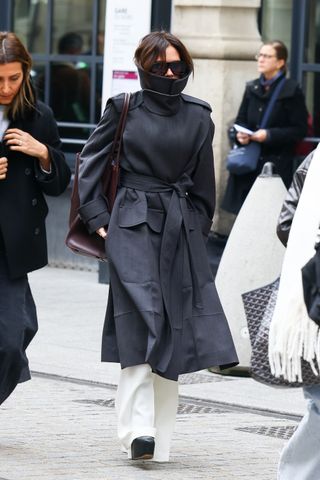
[66,39]
[276,21]
[297,23]
[311,64]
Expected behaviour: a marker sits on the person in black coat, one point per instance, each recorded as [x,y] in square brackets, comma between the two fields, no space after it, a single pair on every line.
[31,164]
[288,122]
[164,317]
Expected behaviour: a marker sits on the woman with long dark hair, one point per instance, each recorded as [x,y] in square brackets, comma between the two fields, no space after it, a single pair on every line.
[31,164]
[163,317]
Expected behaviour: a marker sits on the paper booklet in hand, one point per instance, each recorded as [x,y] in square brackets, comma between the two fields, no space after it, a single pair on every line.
[242,129]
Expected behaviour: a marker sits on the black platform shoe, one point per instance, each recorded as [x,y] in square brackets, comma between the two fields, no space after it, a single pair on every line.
[142,448]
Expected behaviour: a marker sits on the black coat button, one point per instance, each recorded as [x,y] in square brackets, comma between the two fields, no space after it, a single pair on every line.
[37,231]
[27,171]
[34,202]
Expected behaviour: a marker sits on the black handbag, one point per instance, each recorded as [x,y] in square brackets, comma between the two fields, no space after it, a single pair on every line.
[78,239]
[259,306]
[244,159]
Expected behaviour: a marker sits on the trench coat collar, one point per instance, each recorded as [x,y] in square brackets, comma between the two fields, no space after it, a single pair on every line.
[161,95]
[160,84]
[161,104]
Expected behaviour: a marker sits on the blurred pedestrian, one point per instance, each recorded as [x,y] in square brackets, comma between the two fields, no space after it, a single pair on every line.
[287,124]
[31,164]
[163,317]
[296,335]
[69,85]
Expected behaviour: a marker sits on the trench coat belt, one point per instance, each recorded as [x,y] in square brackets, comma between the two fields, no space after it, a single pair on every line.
[177,220]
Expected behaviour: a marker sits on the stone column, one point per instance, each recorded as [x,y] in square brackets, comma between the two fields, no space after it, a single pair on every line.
[222,37]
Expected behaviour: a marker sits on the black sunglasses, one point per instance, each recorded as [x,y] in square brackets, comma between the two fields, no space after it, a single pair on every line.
[178,68]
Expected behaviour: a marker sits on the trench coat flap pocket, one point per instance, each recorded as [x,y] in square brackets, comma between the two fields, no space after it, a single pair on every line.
[155,220]
[132,216]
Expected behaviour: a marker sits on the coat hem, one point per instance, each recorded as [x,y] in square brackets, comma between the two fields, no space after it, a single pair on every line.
[182,372]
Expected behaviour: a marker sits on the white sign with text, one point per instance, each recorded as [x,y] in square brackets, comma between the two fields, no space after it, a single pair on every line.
[127,21]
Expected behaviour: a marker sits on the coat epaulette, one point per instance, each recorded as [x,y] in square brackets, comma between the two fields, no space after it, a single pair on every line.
[188,98]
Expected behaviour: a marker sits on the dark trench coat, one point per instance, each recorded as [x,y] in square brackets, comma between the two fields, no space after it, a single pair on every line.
[163,307]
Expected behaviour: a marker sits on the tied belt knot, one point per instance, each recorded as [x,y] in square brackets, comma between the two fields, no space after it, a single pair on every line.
[177,221]
[182,185]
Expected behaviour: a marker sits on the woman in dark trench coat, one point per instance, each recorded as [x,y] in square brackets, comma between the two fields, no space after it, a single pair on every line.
[164,317]
[31,163]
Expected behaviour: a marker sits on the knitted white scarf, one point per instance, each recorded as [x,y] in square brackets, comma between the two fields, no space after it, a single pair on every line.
[293,335]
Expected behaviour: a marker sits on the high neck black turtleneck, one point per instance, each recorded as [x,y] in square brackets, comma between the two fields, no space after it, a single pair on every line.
[161,84]
[160,103]
[161,95]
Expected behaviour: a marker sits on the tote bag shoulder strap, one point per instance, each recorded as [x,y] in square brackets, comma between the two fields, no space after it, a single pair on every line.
[117,141]
[271,103]
[114,156]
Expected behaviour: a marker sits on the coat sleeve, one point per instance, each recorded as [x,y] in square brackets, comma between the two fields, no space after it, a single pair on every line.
[291,201]
[93,204]
[55,182]
[203,191]
[297,126]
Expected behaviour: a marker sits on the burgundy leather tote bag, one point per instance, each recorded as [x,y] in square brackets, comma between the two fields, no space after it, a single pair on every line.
[78,239]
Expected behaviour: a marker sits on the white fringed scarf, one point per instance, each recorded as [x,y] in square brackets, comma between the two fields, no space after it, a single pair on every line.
[293,335]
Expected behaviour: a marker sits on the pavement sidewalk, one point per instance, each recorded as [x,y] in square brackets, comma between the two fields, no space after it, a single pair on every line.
[62,424]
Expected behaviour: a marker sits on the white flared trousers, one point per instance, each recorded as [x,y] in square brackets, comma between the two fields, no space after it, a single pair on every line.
[300,459]
[146,405]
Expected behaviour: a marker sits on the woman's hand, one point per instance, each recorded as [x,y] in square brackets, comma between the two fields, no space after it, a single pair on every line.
[21,141]
[243,138]
[259,136]
[102,232]
[3,167]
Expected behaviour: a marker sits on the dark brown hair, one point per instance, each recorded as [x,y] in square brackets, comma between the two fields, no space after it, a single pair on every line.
[13,50]
[154,46]
[281,51]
